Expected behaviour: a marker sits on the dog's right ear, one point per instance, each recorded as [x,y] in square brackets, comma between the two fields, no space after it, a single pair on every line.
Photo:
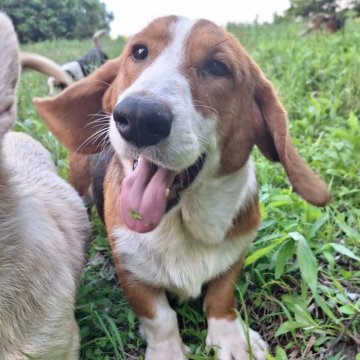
[77,117]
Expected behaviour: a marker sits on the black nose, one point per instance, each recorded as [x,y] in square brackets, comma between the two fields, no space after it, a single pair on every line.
[142,121]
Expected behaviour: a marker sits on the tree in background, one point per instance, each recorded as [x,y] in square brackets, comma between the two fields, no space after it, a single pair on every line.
[37,20]
[355,6]
[309,7]
[91,12]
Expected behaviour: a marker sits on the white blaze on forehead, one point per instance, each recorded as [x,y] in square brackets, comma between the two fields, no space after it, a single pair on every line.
[164,69]
[180,32]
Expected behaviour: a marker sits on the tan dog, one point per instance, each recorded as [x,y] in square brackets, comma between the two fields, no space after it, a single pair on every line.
[183,107]
[43,229]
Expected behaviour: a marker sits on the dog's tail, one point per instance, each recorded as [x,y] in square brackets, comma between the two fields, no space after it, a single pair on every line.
[9,74]
[45,66]
[97,35]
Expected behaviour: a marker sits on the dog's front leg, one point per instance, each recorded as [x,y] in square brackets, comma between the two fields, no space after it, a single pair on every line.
[162,333]
[225,331]
[159,324]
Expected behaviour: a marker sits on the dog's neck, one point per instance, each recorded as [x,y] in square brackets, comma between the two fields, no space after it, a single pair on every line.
[210,205]
[208,208]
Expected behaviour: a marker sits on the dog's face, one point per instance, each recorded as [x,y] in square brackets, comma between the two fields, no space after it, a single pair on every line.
[184,96]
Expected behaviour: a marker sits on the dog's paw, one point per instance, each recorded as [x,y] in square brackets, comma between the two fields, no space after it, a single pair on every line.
[172,349]
[229,339]
[164,347]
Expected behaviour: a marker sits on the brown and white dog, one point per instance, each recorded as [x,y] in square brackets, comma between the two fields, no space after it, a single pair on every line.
[61,76]
[182,107]
[48,67]
[330,22]
[43,230]
[82,67]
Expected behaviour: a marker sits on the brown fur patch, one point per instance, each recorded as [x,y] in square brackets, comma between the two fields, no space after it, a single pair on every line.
[247,220]
[112,189]
[79,174]
[219,293]
[141,296]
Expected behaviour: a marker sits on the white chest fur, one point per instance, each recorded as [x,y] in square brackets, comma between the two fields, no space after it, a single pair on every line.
[188,248]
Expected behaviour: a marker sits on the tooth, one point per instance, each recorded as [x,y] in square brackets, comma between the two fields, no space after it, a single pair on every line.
[167,192]
[135,163]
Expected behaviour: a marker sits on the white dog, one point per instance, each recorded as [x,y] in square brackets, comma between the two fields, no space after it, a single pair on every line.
[43,230]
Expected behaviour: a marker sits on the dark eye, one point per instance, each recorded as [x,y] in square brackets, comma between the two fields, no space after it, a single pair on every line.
[139,52]
[216,68]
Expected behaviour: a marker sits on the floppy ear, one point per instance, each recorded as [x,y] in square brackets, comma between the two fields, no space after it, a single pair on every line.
[273,139]
[76,116]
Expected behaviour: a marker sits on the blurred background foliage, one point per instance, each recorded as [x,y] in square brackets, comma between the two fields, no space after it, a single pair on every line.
[38,20]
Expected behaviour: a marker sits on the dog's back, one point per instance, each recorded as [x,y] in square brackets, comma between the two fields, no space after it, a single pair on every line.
[95,57]
[335,23]
[43,227]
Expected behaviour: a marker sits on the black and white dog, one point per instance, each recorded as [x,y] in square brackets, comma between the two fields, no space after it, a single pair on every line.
[82,67]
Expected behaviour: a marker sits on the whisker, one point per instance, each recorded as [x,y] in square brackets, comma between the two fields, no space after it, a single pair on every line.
[94,137]
[98,121]
[198,104]
[206,141]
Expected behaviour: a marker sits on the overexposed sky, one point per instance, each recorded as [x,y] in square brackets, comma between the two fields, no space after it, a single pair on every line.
[132,15]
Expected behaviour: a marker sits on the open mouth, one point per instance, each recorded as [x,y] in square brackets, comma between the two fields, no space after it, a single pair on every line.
[150,191]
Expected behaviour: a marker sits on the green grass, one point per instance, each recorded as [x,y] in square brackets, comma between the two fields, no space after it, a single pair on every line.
[301,282]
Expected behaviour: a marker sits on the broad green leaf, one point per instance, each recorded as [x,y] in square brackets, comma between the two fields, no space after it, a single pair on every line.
[347,309]
[258,254]
[321,302]
[306,260]
[289,326]
[280,353]
[303,316]
[349,231]
[295,235]
[282,257]
[329,257]
[344,251]
[318,224]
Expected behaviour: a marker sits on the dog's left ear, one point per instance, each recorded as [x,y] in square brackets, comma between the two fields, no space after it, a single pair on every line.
[76,116]
[273,139]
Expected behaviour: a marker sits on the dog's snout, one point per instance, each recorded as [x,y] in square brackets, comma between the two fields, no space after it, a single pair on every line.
[143,121]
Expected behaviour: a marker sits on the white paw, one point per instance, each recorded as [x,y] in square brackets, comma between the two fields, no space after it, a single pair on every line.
[162,336]
[229,338]
[172,349]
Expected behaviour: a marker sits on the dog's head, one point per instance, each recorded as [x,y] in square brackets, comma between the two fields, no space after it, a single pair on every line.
[183,96]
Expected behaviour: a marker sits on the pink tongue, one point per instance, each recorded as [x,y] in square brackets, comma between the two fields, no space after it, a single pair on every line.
[142,200]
